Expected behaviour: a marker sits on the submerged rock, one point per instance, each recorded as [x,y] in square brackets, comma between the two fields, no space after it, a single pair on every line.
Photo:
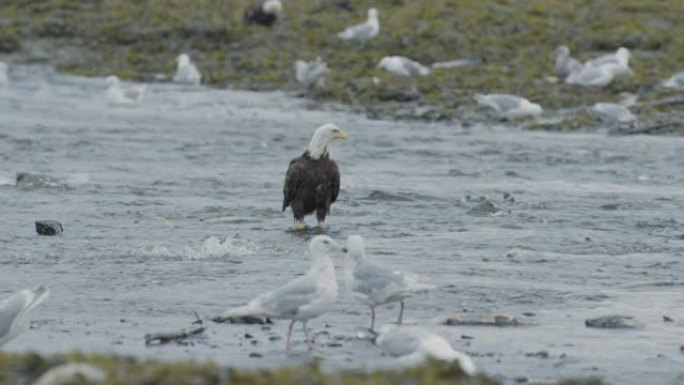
[248,320]
[497,320]
[484,208]
[48,227]
[27,180]
[611,322]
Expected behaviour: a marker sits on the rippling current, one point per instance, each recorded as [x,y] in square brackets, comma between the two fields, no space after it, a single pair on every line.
[173,207]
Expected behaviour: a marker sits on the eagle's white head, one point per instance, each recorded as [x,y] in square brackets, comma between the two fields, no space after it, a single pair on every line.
[321,139]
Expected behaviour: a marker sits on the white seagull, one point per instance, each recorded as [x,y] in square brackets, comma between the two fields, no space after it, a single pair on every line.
[675,81]
[565,64]
[509,106]
[302,299]
[620,57]
[4,79]
[186,71]
[597,76]
[117,96]
[614,112]
[311,73]
[363,31]
[403,66]
[373,284]
[413,345]
[15,312]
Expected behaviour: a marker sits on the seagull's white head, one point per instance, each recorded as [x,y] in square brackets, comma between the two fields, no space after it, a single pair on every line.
[183,60]
[534,109]
[372,14]
[355,247]
[623,53]
[273,7]
[321,139]
[112,81]
[562,51]
[323,245]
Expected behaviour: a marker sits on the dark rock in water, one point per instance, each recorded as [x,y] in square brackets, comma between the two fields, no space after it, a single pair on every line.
[667,319]
[48,227]
[540,354]
[255,355]
[611,322]
[248,320]
[484,208]
[497,320]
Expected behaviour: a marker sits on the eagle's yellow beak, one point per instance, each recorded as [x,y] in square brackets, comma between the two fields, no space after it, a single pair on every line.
[341,135]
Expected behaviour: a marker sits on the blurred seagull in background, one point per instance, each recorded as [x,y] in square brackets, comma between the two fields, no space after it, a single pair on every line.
[675,81]
[597,76]
[117,96]
[614,112]
[620,57]
[374,284]
[413,345]
[263,12]
[565,64]
[186,71]
[509,106]
[363,31]
[15,312]
[403,66]
[4,79]
[311,73]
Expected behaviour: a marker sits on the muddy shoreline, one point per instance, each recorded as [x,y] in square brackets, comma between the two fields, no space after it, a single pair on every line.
[511,43]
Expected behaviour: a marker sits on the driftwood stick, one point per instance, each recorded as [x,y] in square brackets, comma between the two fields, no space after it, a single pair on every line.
[165,338]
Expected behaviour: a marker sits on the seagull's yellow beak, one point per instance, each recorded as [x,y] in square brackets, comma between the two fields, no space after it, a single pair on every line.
[341,135]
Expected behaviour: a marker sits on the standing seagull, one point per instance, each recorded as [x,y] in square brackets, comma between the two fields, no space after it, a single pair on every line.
[373,284]
[312,181]
[413,345]
[117,96]
[305,298]
[403,66]
[363,31]
[263,12]
[675,81]
[509,106]
[565,64]
[614,112]
[597,76]
[186,71]
[4,79]
[620,57]
[15,312]
[311,73]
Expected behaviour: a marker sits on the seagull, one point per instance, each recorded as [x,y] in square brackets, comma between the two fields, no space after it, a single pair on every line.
[4,79]
[509,106]
[302,299]
[374,284]
[15,312]
[597,76]
[363,31]
[620,57]
[413,345]
[311,73]
[403,66]
[565,64]
[614,112]
[186,71]
[118,96]
[675,81]
[263,12]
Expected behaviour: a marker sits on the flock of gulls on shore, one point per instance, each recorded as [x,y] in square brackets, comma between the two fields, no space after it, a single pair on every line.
[312,184]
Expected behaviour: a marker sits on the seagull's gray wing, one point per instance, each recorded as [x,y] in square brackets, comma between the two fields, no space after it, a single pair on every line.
[505,102]
[287,300]
[361,31]
[371,278]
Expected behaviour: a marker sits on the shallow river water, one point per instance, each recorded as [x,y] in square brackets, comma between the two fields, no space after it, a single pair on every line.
[173,207]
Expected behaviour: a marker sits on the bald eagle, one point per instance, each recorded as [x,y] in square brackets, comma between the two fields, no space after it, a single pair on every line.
[312,181]
[263,12]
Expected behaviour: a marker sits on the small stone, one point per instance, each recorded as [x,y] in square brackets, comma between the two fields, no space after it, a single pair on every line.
[465,337]
[275,338]
[484,208]
[540,354]
[528,314]
[521,380]
[48,227]
[334,345]
[254,342]
[667,319]
[255,355]
[611,322]
[248,336]
[681,348]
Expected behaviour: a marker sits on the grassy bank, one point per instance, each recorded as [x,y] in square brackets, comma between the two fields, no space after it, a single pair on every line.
[26,368]
[515,40]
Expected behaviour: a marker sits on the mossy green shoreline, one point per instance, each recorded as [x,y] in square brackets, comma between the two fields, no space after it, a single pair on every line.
[23,369]
[515,40]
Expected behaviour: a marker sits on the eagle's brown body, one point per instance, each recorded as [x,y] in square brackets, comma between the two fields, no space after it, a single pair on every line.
[311,185]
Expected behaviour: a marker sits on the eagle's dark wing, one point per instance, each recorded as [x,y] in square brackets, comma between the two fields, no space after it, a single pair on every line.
[293,180]
[334,173]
